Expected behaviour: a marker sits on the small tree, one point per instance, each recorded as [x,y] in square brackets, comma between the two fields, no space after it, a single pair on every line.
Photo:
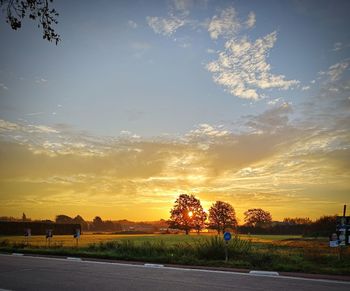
[255,216]
[97,223]
[79,220]
[297,220]
[187,213]
[221,216]
[62,218]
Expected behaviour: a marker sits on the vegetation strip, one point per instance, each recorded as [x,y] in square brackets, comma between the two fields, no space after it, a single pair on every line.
[283,255]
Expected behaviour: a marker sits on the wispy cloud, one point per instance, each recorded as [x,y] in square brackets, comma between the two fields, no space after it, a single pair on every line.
[132,24]
[250,22]
[242,68]
[8,126]
[226,24]
[40,80]
[336,70]
[338,46]
[3,86]
[165,26]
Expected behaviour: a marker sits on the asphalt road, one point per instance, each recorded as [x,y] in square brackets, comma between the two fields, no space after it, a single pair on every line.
[37,273]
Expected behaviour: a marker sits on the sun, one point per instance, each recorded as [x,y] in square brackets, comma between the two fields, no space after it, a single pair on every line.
[190,213]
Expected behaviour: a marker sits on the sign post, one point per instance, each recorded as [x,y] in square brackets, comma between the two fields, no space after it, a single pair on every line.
[341,237]
[77,236]
[27,235]
[49,236]
[227,237]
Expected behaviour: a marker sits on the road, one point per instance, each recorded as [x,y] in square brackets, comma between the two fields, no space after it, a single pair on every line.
[39,273]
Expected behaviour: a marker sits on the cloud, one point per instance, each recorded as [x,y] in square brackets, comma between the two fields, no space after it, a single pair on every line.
[305,88]
[273,161]
[335,71]
[242,68]
[271,120]
[165,26]
[3,86]
[8,126]
[338,46]
[40,80]
[140,45]
[181,5]
[250,22]
[207,130]
[132,24]
[42,129]
[210,51]
[226,24]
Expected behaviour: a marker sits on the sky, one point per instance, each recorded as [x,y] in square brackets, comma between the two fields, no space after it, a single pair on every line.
[246,102]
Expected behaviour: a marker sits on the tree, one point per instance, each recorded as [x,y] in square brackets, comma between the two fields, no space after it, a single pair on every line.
[297,220]
[79,220]
[187,213]
[97,223]
[24,217]
[16,11]
[199,217]
[255,216]
[63,219]
[221,216]
[323,226]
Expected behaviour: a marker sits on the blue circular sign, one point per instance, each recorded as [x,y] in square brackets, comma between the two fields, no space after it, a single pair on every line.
[227,236]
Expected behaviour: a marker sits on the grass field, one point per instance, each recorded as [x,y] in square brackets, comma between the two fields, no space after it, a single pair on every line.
[169,239]
[265,252]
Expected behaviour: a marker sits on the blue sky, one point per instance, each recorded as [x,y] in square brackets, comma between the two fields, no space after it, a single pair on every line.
[112,72]
[201,74]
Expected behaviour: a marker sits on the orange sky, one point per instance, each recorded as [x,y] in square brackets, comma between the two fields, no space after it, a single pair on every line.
[45,173]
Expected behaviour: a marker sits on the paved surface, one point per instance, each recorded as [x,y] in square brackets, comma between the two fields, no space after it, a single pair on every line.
[36,273]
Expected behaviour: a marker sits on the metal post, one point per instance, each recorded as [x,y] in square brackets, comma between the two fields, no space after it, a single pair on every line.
[226,251]
[341,247]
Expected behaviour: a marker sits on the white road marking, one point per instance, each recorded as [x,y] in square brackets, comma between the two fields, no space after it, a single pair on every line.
[74,259]
[185,269]
[154,266]
[264,273]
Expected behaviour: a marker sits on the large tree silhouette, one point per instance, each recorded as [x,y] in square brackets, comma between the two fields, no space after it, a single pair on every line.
[37,10]
[187,213]
[221,216]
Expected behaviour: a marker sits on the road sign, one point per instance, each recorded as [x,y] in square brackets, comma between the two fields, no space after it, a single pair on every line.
[343,230]
[227,236]
[27,232]
[77,233]
[49,233]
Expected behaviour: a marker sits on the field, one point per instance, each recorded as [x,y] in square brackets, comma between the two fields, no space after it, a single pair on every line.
[266,252]
[169,239]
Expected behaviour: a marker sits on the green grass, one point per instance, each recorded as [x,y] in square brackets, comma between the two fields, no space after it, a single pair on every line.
[279,253]
[88,238]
